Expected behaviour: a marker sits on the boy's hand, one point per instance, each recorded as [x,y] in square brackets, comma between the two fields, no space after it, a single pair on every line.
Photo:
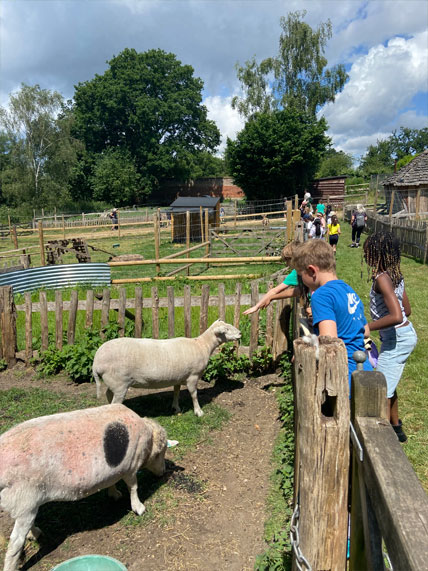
[366,331]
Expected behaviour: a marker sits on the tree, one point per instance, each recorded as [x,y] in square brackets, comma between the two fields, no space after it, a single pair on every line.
[297,76]
[335,163]
[149,106]
[277,153]
[115,178]
[40,151]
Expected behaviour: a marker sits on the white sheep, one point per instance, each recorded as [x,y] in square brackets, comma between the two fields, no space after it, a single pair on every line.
[154,364]
[71,455]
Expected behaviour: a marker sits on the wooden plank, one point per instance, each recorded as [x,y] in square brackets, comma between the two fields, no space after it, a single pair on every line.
[71,332]
[281,328]
[237,304]
[254,331]
[138,312]
[187,311]
[322,443]
[269,320]
[221,303]
[243,259]
[171,312]
[121,312]
[289,231]
[28,328]
[105,310]
[203,316]
[44,332]
[58,320]
[155,313]
[89,307]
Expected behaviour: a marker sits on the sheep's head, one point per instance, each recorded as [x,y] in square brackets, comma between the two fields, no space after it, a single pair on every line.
[156,461]
[225,332]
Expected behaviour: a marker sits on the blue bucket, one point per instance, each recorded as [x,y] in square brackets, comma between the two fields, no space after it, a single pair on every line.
[90,563]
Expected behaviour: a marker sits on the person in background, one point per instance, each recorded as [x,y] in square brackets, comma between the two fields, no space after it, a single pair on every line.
[389,309]
[320,208]
[317,230]
[328,214]
[333,232]
[358,222]
[114,219]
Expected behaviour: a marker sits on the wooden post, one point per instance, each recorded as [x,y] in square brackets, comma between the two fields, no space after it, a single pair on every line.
[201,221]
[28,328]
[89,308]
[296,202]
[155,313]
[172,227]
[58,318]
[42,244]
[138,312]
[426,244]
[188,237]
[63,227]
[221,302]
[105,310]
[235,214]
[14,237]
[207,234]
[269,319]
[368,400]
[322,446]
[156,233]
[391,205]
[417,205]
[121,312]
[203,316]
[254,331]
[289,220]
[237,311]
[74,300]
[171,312]
[10,227]
[187,308]
[44,321]
[8,325]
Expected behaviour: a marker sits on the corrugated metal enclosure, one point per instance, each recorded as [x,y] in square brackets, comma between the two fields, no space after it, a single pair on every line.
[56,277]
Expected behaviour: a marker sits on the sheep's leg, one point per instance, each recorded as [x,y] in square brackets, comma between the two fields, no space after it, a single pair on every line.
[34,533]
[136,505]
[192,384]
[20,530]
[119,396]
[114,493]
[109,395]
[175,405]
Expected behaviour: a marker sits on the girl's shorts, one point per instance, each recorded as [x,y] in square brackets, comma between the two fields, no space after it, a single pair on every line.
[333,239]
[397,345]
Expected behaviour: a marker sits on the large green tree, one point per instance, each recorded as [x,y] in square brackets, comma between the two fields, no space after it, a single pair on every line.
[335,163]
[40,149]
[297,76]
[277,153]
[149,106]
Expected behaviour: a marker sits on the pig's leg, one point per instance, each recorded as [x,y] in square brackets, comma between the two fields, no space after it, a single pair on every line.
[136,505]
[22,526]
[175,405]
[192,384]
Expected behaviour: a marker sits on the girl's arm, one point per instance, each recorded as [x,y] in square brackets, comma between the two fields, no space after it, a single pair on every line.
[406,304]
[281,291]
[338,230]
[384,286]
[328,327]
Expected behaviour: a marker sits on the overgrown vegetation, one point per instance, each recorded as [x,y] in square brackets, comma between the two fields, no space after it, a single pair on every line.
[277,527]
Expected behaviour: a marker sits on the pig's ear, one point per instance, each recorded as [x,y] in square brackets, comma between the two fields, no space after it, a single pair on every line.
[159,438]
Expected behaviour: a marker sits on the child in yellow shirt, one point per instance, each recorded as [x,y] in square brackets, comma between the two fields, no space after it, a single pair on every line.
[334,232]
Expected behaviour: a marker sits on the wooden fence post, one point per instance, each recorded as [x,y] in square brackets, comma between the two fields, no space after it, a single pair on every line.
[28,328]
[254,331]
[391,205]
[8,325]
[201,222]
[42,244]
[63,227]
[322,446]
[14,237]
[417,205]
[207,235]
[188,238]
[156,233]
[296,202]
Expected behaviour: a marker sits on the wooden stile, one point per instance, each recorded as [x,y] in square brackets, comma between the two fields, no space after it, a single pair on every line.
[187,311]
[58,320]
[254,331]
[44,332]
[171,312]
[89,308]
[121,312]
[155,313]
[203,316]
[221,303]
[71,332]
[138,312]
[28,328]
[105,310]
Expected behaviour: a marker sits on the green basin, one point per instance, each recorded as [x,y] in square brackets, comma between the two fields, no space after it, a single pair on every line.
[90,563]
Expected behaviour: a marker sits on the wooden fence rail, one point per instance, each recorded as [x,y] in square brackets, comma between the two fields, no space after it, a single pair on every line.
[63,324]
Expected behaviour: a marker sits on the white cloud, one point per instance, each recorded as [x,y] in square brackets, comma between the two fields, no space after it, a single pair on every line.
[227,119]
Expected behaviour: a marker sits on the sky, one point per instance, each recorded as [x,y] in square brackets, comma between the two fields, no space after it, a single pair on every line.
[382,43]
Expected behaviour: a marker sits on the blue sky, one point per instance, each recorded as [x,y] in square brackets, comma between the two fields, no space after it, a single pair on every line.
[383,44]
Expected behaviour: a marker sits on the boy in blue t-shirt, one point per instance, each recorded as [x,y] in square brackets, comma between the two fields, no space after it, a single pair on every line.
[337,310]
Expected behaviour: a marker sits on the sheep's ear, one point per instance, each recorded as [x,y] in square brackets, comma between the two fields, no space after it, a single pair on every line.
[221,329]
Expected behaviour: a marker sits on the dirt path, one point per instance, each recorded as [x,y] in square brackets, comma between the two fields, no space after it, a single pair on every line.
[214,502]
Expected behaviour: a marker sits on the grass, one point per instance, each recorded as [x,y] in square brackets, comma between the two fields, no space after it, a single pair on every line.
[413,386]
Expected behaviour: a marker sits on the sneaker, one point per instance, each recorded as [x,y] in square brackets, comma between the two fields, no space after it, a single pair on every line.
[399,432]
[352,245]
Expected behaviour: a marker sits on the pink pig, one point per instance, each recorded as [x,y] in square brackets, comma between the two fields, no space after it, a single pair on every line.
[72,455]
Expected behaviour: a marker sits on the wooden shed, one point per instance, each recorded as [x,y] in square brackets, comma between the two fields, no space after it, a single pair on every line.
[409,187]
[329,190]
[193,205]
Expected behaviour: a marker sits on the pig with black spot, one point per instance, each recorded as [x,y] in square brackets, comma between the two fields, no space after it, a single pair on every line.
[69,456]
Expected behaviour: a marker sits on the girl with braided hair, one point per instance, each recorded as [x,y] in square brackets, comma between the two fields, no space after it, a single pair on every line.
[389,309]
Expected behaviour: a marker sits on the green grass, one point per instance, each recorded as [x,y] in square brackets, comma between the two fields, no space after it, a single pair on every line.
[413,386]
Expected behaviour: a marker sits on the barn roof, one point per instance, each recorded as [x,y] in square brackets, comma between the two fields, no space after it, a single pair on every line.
[414,173]
[189,202]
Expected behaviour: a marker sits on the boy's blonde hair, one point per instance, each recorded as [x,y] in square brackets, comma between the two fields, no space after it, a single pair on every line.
[289,250]
[314,253]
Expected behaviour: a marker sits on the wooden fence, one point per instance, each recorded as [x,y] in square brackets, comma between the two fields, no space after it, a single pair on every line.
[388,504]
[63,325]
